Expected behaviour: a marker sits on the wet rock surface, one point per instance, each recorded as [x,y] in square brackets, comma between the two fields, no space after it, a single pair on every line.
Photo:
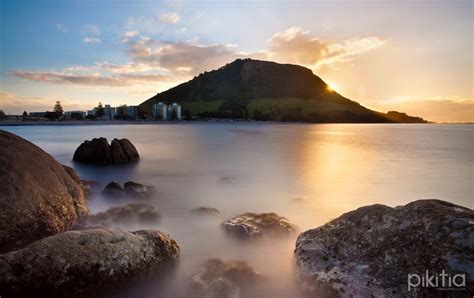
[256,225]
[132,190]
[113,189]
[206,211]
[78,262]
[224,279]
[38,196]
[124,215]
[371,251]
[98,151]
[137,190]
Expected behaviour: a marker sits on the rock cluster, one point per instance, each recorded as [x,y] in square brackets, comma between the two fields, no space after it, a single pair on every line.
[256,225]
[371,251]
[131,190]
[39,201]
[98,151]
[77,262]
[224,279]
[38,196]
[125,215]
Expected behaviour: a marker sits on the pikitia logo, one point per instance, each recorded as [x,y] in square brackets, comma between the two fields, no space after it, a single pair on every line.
[441,281]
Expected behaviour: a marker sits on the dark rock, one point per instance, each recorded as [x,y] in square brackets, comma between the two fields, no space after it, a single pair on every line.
[117,216]
[98,151]
[371,251]
[256,225]
[38,197]
[128,149]
[79,262]
[113,190]
[206,211]
[224,279]
[137,190]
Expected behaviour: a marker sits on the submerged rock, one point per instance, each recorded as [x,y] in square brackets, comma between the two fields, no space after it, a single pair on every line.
[256,225]
[130,214]
[137,190]
[206,211]
[224,279]
[371,251]
[38,196]
[77,262]
[98,151]
[113,190]
[131,190]
[227,179]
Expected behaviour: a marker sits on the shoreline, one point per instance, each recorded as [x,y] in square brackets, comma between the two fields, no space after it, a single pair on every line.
[161,122]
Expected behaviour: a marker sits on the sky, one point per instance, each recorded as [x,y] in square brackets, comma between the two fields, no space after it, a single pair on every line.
[410,56]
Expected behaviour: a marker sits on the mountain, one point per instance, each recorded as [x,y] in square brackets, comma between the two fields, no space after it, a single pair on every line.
[264,90]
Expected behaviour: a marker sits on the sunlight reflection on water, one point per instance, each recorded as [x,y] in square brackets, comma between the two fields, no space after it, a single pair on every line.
[307,173]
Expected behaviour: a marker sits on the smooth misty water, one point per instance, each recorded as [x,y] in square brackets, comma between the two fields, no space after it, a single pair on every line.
[308,173]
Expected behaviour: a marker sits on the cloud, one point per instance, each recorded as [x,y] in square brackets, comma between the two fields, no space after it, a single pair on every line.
[91,39]
[185,56]
[95,79]
[62,28]
[154,60]
[129,34]
[295,45]
[91,33]
[90,29]
[13,104]
[169,18]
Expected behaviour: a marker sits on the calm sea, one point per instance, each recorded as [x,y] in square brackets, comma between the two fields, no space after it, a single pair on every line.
[307,173]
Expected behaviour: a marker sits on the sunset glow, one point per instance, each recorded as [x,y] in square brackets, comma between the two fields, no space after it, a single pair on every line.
[56,50]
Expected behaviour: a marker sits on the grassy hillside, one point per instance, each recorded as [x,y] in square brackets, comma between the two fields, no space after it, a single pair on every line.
[262,90]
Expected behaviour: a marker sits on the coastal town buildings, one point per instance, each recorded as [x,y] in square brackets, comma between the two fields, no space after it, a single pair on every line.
[69,114]
[163,111]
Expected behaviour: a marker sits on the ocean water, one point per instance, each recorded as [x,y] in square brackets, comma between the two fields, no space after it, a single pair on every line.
[307,173]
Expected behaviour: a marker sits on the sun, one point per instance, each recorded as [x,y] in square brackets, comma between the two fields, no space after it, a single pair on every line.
[331,87]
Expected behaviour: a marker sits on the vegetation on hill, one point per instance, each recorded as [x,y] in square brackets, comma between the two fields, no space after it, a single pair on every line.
[262,90]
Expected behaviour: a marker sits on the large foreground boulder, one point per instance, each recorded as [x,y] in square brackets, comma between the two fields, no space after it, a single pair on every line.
[380,251]
[124,215]
[98,151]
[38,197]
[77,262]
[257,225]
[224,279]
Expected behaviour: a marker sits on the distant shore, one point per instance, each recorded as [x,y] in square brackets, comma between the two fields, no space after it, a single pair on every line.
[157,122]
[109,122]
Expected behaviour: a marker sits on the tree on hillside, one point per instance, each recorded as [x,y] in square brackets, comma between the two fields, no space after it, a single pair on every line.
[2,114]
[100,110]
[25,113]
[58,109]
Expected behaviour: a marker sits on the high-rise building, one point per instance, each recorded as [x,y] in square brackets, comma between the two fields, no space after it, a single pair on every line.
[163,111]
[132,112]
[174,111]
[160,110]
[109,112]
